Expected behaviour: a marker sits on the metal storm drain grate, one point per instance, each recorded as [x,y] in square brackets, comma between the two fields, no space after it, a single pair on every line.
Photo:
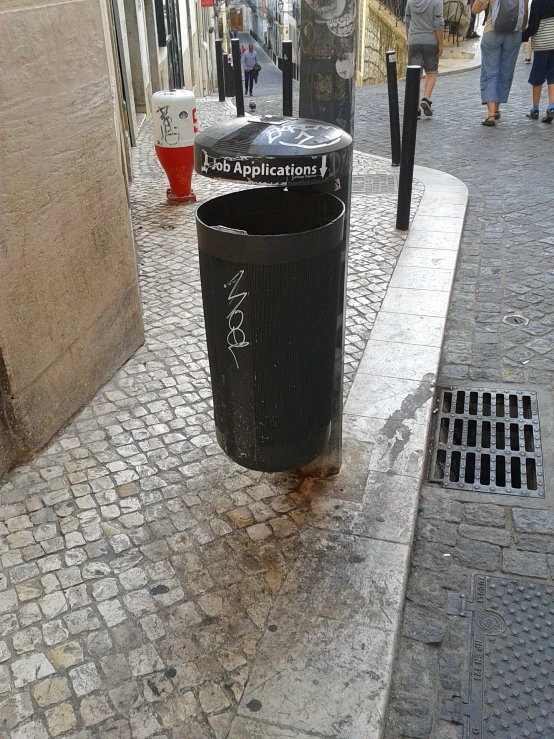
[374,184]
[510,658]
[488,440]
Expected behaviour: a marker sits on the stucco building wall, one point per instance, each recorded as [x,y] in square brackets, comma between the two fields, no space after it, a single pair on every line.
[378,32]
[69,301]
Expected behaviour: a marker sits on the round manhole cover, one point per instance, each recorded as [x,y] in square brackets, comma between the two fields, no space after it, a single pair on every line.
[514,320]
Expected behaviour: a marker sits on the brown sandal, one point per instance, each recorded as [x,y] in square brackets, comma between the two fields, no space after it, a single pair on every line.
[489,121]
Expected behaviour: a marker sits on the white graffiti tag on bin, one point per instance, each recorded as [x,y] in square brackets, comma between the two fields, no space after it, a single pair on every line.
[236,338]
[304,135]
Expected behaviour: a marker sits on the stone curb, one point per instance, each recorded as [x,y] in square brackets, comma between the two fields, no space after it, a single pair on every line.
[469,66]
[391,400]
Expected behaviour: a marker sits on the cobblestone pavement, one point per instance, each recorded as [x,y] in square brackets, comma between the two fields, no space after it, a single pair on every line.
[453,540]
[139,565]
[505,267]
[507,254]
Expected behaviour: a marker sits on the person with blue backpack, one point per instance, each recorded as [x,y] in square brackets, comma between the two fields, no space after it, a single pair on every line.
[499,51]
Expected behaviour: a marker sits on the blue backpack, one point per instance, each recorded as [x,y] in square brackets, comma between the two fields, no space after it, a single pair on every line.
[507,16]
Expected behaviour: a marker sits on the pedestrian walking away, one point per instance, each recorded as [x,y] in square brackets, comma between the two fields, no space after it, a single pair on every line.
[249,64]
[540,31]
[500,46]
[424,23]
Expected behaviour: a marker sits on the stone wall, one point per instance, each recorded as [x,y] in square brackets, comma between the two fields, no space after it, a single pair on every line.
[138,55]
[379,33]
[7,452]
[70,310]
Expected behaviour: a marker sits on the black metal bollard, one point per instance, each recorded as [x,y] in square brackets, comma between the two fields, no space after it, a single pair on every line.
[394,114]
[287,78]
[219,67]
[237,66]
[231,76]
[225,62]
[409,132]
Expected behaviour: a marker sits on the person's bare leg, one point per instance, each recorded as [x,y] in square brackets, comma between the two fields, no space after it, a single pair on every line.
[429,85]
[537,89]
[528,50]
[492,109]
[551,94]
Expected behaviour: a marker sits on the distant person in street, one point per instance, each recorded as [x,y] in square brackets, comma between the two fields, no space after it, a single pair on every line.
[235,33]
[425,30]
[541,33]
[249,62]
[499,51]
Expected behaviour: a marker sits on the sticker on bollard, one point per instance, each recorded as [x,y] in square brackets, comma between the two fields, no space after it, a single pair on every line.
[273,150]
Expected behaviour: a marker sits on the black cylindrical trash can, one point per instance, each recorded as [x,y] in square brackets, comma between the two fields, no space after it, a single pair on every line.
[270,268]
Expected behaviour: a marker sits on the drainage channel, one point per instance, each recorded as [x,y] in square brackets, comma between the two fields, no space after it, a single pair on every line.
[511,661]
[488,441]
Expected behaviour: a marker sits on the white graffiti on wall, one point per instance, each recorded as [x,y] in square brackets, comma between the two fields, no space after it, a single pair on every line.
[339,15]
[328,9]
[343,26]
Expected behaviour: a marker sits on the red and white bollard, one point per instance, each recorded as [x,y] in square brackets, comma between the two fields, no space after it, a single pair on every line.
[175,124]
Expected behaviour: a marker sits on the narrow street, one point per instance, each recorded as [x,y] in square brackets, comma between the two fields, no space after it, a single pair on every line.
[508,244]
[268,95]
[506,267]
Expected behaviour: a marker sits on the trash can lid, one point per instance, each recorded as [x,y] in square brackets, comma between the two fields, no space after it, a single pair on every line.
[273,150]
